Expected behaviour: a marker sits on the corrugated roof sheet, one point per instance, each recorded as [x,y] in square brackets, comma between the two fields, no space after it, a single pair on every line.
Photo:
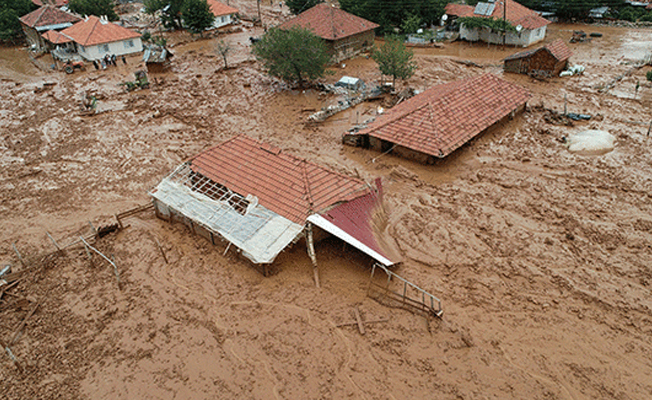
[289,186]
[91,31]
[330,23]
[219,9]
[48,15]
[516,14]
[444,117]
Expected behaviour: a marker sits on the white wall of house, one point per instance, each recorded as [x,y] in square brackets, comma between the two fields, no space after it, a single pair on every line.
[222,20]
[524,38]
[119,48]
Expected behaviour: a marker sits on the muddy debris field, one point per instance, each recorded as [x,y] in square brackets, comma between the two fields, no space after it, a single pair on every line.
[542,257]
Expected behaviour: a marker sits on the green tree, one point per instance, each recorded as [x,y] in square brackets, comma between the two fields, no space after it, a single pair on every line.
[294,55]
[390,14]
[299,6]
[94,7]
[10,11]
[411,24]
[394,59]
[170,11]
[197,15]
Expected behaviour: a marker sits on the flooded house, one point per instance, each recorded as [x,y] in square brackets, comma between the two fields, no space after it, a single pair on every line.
[438,121]
[529,26]
[547,61]
[346,35]
[93,38]
[42,20]
[224,14]
[262,200]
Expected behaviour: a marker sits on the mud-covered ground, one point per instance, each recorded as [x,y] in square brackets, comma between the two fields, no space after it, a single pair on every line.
[542,258]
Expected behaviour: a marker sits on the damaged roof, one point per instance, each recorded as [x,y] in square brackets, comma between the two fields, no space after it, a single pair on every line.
[49,16]
[556,48]
[516,14]
[55,37]
[444,117]
[93,30]
[329,22]
[289,186]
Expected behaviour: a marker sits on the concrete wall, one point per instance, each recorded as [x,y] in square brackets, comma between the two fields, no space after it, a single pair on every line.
[524,38]
[122,47]
[350,46]
[222,20]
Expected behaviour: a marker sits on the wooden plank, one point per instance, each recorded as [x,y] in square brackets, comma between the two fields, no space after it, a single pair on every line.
[365,322]
[356,311]
[23,323]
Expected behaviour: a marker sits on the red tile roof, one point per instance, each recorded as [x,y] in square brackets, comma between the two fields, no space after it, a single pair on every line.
[92,31]
[57,3]
[559,50]
[55,37]
[556,48]
[359,218]
[48,15]
[219,9]
[289,186]
[330,23]
[516,13]
[444,117]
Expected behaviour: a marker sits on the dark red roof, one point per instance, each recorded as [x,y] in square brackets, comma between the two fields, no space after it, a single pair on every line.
[557,49]
[289,186]
[219,9]
[512,11]
[329,22]
[48,15]
[93,30]
[444,117]
[359,218]
[57,3]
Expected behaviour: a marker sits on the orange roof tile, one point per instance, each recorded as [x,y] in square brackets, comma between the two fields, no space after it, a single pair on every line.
[219,9]
[512,11]
[284,184]
[92,31]
[330,23]
[55,37]
[444,117]
[48,15]
[559,50]
[57,3]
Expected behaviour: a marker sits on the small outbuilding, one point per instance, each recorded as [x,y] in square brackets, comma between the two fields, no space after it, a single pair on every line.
[351,83]
[224,14]
[346,35]
[545,61]
[261,200]
[440,120]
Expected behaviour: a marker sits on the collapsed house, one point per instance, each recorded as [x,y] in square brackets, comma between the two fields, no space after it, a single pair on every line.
[45,19]
[545,61]
[345,35]
[440,120]
[262,200]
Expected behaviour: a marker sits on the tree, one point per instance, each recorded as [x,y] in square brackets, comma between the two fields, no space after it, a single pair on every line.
[294,55]
[94,7]
[223,48]
[391,14]
[170,11]
[411,24]
[197,15]
[10,11]
[394,59]
[299,6]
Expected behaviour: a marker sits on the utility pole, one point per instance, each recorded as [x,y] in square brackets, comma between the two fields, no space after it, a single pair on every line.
[260,19]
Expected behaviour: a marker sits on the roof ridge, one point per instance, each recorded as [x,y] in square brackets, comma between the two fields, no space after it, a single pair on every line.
[307,186]
[88,38]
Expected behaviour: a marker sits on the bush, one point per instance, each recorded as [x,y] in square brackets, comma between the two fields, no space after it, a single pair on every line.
[649,75]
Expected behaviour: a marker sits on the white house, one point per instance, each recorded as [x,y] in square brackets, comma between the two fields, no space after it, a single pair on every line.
[530,26]
[96,37]
[224,15]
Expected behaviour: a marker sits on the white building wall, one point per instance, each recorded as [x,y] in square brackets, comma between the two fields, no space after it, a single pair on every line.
[222,20]
[119,48]
[525,38]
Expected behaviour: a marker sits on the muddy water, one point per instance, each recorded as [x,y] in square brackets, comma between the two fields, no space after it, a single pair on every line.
[16,65]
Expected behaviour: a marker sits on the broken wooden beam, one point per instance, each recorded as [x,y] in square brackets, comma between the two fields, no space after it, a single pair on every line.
[358,319]
[375,321]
